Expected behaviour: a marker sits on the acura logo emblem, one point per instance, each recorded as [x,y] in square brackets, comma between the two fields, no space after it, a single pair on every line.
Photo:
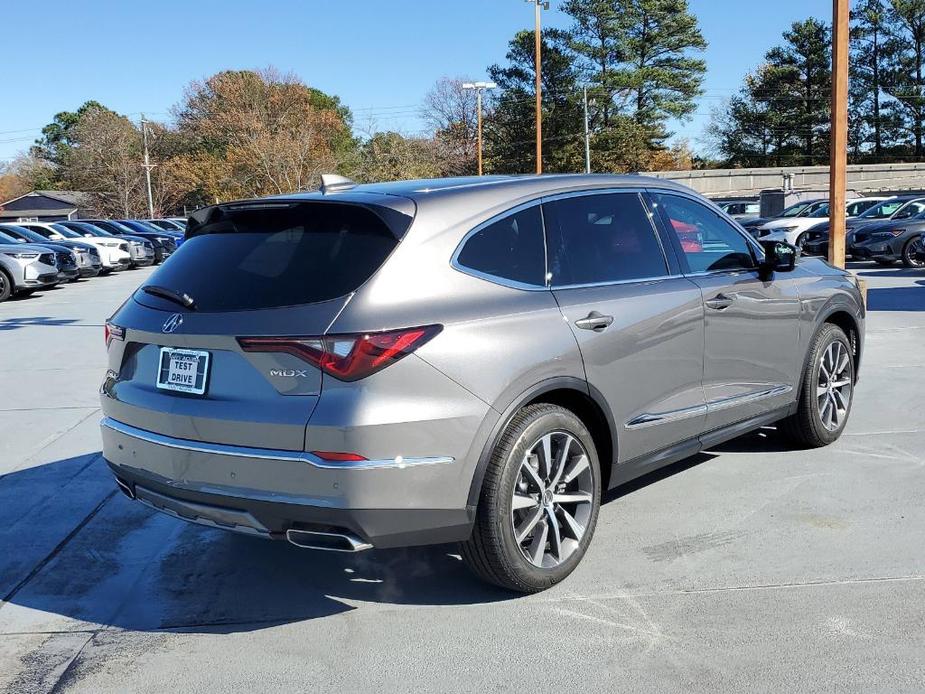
[172,323]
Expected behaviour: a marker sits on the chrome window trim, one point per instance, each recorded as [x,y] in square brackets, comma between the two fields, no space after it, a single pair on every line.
[645,208]
[398,463]
[648,419]
[495,279]
[641,280]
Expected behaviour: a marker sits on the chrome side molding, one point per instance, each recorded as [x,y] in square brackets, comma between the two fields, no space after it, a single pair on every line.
[648,419]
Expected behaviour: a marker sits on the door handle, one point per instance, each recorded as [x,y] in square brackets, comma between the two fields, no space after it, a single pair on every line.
[720,302]
[594,321]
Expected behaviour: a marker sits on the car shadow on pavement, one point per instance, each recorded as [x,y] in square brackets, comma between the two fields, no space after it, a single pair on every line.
[656,476]
[896,272]
[26,322]
[896,299]
[75,547]
[764,440]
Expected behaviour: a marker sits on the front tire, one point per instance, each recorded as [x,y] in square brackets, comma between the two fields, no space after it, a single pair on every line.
[6,286]
[914,254]
[539,502]
[826,392]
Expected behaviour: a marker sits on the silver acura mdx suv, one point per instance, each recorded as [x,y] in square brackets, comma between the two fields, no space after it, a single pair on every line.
[471,360]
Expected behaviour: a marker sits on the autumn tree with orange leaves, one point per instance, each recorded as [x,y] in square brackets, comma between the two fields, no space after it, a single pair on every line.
[252,133]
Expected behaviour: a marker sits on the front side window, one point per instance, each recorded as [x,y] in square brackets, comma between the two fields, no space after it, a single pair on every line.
[509,249]
[911,209]
[706,240]
[597,239]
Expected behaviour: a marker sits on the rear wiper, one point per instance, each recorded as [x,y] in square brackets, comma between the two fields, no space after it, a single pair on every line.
[171,295]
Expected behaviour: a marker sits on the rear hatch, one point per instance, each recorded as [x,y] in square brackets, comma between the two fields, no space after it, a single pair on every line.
[268,269]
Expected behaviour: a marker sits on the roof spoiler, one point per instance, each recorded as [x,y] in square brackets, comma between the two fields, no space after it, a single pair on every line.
[331,183]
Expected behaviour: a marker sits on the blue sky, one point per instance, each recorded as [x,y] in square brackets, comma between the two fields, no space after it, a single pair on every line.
[380,57]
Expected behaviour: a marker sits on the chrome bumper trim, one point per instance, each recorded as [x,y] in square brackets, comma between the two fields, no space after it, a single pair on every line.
[398,462]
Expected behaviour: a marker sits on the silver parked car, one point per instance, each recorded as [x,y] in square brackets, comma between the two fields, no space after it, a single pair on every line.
[25,269]
[471,360]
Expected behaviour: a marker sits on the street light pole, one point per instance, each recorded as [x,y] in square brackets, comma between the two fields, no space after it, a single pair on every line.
[479,87]
[587,133]
[147,166]
[539,5]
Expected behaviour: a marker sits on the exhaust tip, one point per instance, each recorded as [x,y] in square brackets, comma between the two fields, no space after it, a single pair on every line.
[126,488]
[327,541]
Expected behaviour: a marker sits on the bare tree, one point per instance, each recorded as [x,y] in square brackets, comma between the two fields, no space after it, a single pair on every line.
[451,112]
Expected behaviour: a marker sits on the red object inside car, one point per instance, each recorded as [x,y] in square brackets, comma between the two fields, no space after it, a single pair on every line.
[689,235]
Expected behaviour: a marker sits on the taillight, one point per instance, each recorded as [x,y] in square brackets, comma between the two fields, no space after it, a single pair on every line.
[347,357]
[112,332]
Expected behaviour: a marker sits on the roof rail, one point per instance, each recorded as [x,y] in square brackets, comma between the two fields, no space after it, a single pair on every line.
[331,183]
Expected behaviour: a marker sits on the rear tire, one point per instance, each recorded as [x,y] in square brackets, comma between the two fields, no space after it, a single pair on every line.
[826,391]
[539,502]
[6,286]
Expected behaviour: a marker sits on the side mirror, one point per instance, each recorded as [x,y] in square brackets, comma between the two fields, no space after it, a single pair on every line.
[778,257]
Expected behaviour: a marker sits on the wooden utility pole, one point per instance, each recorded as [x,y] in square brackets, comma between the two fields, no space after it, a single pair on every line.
[539,5]
[838,165]
[479,87]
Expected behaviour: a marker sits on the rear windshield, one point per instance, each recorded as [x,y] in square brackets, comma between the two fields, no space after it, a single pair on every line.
[246,259]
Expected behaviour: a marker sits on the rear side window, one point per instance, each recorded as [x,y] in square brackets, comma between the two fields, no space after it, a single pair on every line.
[267,256]
[510,249]
[603,238]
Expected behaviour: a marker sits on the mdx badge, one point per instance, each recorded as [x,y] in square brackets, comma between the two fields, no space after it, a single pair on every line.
[288,373]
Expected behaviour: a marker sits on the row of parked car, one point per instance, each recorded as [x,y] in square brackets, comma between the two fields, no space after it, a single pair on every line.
[41,255]
[885,230]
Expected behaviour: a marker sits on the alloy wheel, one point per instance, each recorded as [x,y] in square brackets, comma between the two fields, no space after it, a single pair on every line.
[833,390]
[553,499]
[915,253]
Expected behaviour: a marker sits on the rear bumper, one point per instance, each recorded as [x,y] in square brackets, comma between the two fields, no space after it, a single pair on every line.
[265,492]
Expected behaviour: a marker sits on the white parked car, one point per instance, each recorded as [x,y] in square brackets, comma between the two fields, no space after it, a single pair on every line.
[793,229]
[114,253]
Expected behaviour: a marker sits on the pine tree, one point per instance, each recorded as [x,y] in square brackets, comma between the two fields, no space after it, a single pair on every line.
[869,29]
[781,114]
[640,56]
[510,134]
[903,68]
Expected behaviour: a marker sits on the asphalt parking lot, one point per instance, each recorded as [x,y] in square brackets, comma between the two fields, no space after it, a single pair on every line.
[751,567]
